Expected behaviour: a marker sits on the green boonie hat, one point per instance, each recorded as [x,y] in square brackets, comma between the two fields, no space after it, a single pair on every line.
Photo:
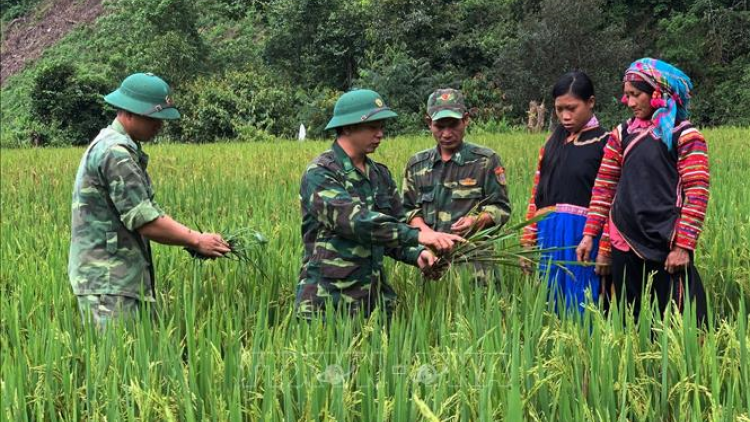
[446,103]
[144,94]
[359,106]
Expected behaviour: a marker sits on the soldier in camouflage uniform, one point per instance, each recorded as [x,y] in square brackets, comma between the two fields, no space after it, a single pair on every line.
[352,217]
[456,187]
[114,214]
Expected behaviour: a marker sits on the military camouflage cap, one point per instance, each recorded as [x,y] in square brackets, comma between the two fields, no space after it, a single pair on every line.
[446,103]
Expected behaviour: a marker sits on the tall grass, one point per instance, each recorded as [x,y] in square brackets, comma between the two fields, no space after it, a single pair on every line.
[226,346]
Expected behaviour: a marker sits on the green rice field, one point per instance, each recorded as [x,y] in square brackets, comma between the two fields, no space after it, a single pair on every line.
[227,347]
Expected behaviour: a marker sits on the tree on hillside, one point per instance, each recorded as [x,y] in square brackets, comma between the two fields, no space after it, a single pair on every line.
[561,37]
[158,36]
[316,42]
[711,42]
[461,35]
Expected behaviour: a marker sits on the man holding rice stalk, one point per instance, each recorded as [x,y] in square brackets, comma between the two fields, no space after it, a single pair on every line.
[114,214]
[352,217]
[456,187]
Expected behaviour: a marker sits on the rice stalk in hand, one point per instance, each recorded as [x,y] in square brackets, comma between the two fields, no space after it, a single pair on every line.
[242,245]
[499,245]
[242,242]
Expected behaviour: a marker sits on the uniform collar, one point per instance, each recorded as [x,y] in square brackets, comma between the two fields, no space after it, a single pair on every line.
[458,157]
[346,162]
[119,128]
[136,146]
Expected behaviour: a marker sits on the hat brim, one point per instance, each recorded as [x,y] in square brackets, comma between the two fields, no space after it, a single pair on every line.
[141,108]
[442,114]
[356,118]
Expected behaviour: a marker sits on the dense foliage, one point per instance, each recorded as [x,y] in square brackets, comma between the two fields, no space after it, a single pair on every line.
[254,69]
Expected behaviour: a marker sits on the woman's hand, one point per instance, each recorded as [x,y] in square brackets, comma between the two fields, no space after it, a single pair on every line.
[583,251]
[677,260]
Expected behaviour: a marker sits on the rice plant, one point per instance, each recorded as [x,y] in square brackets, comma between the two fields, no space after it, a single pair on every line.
[226,346]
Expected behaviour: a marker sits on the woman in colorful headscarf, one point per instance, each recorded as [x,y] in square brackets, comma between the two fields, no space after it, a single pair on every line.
[652,192]
[567,167]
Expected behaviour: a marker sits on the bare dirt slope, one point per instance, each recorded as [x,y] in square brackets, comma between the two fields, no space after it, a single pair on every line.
[26,38]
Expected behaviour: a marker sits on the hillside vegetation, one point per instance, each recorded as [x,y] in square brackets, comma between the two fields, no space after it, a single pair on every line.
[257,69]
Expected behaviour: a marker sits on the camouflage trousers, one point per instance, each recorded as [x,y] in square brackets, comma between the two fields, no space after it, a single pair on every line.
[361,298]
[100,309]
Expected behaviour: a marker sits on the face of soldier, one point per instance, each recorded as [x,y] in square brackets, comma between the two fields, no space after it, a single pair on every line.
[365,138]
[572,112]
[140,128]
[449,133]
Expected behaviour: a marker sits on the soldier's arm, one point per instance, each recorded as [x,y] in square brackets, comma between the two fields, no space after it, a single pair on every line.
[335,209]
[496,203]
[167,231]
[411,207]
[127,189]
[407,254]
[414,213]
[419,223]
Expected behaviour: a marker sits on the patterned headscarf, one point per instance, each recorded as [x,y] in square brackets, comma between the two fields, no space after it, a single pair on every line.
[671,93]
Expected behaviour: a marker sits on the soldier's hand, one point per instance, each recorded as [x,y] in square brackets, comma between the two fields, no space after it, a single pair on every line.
[466,223]
[441,242]
[431,266]
[211,245]
[426,259]
[463,224]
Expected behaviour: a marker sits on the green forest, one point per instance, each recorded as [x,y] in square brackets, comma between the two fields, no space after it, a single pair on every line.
[256,70]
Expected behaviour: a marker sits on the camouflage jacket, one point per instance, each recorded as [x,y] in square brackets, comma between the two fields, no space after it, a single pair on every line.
[350,220]
[442,192]
[112,198]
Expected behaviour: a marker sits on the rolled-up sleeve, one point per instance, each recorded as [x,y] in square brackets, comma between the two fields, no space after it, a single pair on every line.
[128,188]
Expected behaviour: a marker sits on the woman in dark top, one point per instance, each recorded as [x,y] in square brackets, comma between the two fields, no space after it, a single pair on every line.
[567,168]
[652,191]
